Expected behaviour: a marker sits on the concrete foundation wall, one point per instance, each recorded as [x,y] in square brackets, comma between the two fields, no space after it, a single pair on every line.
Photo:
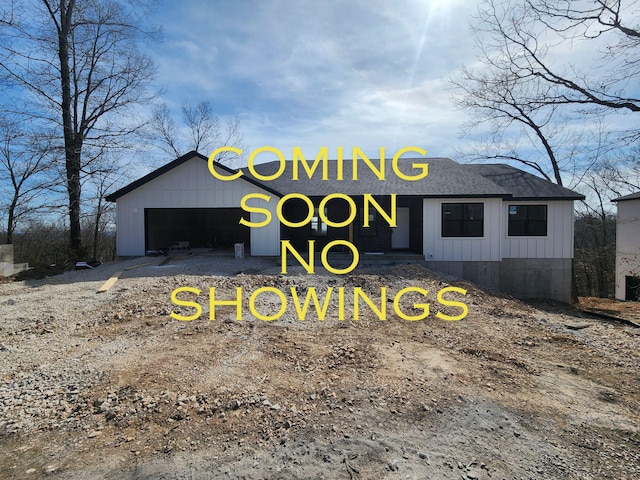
[7,267]
[537,278]
[6,253]
[544,278]
[6,260]
[485,274]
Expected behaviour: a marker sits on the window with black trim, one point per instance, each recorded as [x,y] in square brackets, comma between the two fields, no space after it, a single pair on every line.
[527,221]
[462,219]
[371,230]
[318,227]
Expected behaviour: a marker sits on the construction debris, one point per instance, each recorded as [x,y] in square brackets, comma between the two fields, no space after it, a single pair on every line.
[109,283]
[110,386]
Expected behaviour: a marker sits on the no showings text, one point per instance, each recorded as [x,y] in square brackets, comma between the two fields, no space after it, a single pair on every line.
[409,304]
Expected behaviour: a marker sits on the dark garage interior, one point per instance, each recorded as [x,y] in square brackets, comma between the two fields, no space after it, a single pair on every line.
[632,285]
[201,227]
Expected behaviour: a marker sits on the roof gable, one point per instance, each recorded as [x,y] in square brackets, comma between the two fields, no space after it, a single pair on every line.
[170,166]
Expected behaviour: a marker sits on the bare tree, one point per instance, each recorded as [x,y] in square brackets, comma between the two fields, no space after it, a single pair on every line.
[595,236]
[78,63]
[539,108]
[201,130]
[525,35]
[594,262]
[534,105]
[204,126]
[25,170]
[619,21]
[500,101]
[107,172]
[621,174]
[163,129]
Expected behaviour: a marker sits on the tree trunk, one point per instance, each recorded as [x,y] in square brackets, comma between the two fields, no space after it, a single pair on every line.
[72,142]
[96,230]
[74,190]
[11,219]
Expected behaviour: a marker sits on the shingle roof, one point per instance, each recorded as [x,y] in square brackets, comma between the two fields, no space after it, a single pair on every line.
[446,178]
[523,185]
[633,196]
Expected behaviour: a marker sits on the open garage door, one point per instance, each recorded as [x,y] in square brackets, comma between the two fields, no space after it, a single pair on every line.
[201,227]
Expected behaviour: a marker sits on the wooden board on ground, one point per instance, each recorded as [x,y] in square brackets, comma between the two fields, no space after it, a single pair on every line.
[109,283]
[610,315]
[577,325]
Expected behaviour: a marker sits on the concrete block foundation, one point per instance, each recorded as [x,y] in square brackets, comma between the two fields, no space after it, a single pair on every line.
[524,278]
[485,274]
[548,278]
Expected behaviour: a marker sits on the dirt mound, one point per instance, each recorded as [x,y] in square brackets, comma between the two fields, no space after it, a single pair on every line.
[111,386]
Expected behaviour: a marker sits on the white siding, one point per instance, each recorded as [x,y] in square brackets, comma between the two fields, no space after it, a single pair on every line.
[627,244]
[439,249]
[265,241]
[496,244]
[559,240]
[190,185]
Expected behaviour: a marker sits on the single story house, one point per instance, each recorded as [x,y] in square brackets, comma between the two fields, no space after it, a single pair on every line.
[493,224]
[628,247]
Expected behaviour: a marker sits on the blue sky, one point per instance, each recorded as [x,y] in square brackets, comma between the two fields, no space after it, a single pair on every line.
[321,73]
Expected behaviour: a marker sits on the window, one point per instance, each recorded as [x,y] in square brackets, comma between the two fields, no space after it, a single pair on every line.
[527,220]
[462,219]
[318,227]
[369,231]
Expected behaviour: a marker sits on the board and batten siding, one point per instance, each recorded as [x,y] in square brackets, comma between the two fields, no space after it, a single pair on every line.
[191,185]
[473,249]
[496,244]
[559,240]
[627,244]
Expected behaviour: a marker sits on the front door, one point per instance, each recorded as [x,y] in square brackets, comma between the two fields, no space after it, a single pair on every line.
[400,235]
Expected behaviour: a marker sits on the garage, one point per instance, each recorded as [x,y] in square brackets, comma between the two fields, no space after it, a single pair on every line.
[200,227]
[183,202]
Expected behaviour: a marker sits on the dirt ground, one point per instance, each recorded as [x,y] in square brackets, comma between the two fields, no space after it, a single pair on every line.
[608,306]
[110,386]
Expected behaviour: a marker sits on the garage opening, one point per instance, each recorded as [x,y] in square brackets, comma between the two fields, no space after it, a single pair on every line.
[200,227]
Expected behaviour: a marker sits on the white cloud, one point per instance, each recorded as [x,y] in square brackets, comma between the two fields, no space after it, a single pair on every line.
[322,73]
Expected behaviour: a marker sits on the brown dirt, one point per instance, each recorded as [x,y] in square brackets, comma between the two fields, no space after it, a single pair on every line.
[616,308]
[109,386]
